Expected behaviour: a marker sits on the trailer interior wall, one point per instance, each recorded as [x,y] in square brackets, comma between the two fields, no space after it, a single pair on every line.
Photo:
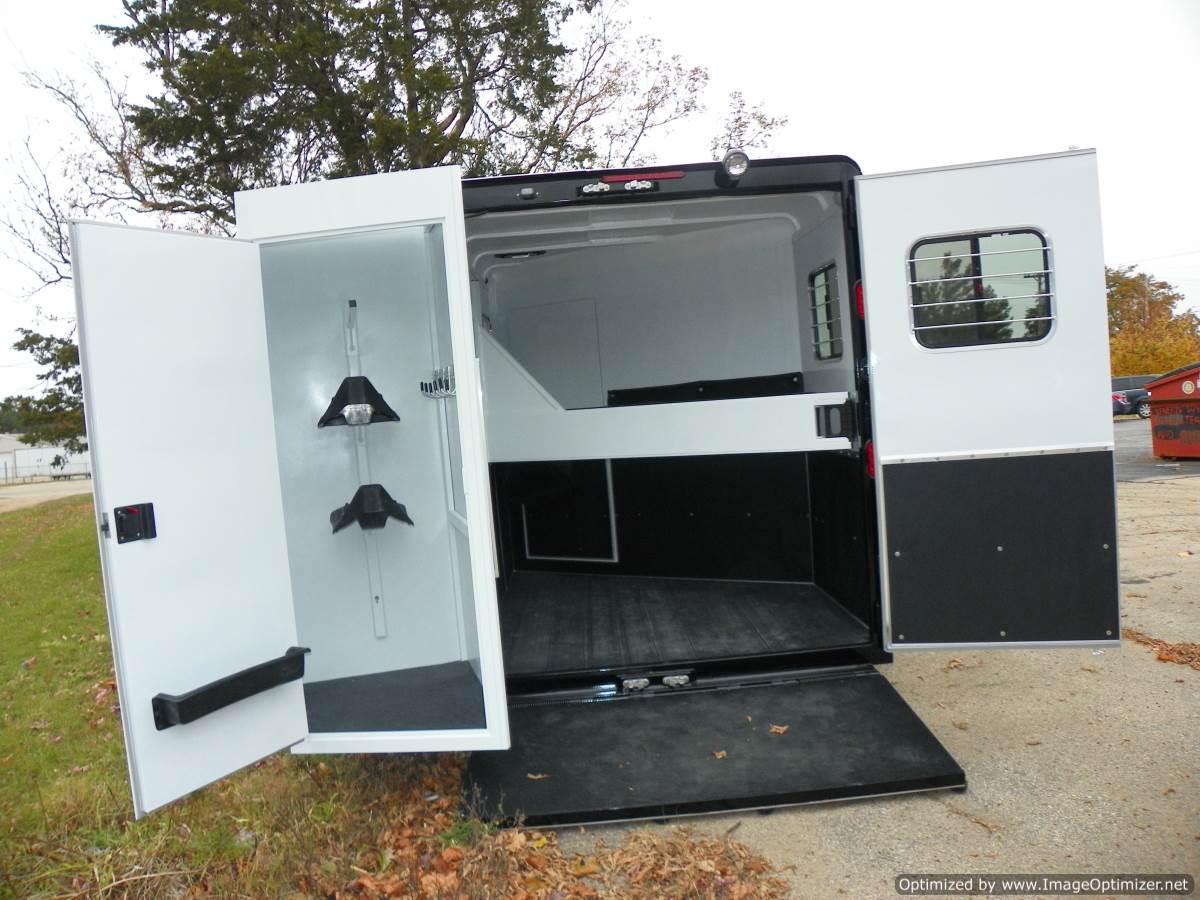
[676,558]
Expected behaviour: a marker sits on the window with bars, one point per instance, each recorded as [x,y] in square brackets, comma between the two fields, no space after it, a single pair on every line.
[826,315]
[981,288]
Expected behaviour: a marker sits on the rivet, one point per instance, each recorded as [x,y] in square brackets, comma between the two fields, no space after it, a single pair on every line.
[999,549]
[897,553]
[1106,546]
[1003,633]
[1108,631]
[900,637]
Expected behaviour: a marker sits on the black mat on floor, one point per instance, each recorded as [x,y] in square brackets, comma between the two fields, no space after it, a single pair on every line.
[648,756]
[443,696]
[557,622]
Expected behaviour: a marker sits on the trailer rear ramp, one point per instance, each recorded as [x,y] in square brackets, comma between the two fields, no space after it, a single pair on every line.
[846,733]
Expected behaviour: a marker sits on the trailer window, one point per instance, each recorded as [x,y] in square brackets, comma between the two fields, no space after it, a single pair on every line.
[981,288]
[826,315]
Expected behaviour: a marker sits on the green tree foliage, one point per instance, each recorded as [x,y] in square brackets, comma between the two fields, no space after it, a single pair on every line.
[1149,328]
[11,420]
[55,415]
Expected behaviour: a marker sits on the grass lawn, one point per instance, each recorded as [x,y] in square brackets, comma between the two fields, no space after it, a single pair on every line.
[362,826]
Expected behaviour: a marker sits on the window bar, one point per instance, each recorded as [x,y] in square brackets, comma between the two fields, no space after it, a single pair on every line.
[974,277]
[1041,249]
[983,322]
[979,300]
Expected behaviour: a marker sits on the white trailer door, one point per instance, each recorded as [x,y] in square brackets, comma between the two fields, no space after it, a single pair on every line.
[989,390]
[195,566]
[440,444]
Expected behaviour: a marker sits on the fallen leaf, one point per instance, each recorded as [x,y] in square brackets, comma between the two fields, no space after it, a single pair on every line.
[39,725]
[585,868]
[25,664]
[1034,743]
[961,726]
[56,739]
[536,776]
[79,770]
[541,842]
[779,729]
[719,754]
[1185,553]
[537,861]
[955,663]
[1089,669]
[1169,790]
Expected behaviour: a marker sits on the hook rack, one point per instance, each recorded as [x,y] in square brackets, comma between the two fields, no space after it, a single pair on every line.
[441,384]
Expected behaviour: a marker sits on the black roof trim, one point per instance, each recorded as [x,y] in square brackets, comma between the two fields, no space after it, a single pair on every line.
[699,180]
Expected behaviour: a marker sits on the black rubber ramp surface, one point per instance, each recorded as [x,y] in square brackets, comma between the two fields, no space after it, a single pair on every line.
[849,734]
[428,697]
[558,622]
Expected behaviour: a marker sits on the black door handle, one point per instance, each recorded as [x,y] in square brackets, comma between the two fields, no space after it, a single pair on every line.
[179,709]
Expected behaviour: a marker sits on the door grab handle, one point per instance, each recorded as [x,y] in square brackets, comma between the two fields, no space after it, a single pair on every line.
[179,709]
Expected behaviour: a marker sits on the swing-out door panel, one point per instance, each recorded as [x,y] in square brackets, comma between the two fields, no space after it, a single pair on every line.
[988,342]
[366,277]
[186,484]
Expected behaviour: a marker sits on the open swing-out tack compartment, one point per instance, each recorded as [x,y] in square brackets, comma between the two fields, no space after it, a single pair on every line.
[598,474]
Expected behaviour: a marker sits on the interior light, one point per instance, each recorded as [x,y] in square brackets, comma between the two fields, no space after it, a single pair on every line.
[735,163]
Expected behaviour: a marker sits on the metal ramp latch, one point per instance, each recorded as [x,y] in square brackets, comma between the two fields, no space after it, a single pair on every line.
[836,421]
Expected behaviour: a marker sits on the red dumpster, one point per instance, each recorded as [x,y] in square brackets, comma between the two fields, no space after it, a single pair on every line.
[1175,413]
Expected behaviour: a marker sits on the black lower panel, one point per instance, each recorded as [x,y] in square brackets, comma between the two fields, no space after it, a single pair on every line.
[557,622]
[1003,550]
[428,697]
[848,734]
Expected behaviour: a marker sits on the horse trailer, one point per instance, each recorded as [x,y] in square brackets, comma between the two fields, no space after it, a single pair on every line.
[598,475]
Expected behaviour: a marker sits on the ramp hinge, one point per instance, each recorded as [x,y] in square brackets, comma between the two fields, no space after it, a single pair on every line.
[836,421]
[651,681]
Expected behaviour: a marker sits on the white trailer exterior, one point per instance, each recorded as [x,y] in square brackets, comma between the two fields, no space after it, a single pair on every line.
[646,444]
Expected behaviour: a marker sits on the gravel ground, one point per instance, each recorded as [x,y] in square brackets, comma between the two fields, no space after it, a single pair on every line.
[1076,761]
[19,496]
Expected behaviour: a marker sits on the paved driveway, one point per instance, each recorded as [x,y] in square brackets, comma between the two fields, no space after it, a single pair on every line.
[18,496]
[1136,462]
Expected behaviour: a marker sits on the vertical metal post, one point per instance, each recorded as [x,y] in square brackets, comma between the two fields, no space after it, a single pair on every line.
[363,460]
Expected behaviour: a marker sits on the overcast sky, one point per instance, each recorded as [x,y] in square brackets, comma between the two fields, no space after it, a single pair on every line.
[893,85]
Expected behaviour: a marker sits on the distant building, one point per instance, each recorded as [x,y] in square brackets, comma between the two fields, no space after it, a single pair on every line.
[20,462]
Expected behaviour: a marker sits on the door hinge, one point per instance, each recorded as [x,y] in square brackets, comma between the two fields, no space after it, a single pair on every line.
[104,529]
[836,421]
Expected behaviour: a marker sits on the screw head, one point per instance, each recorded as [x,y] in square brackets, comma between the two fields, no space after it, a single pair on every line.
[999,549]
[897,553]
[1003,633]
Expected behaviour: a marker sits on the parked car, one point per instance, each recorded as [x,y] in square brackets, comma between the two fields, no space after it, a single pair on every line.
[1134,400]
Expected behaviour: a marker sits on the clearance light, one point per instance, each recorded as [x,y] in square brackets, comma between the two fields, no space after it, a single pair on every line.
[736,163]
[858,300]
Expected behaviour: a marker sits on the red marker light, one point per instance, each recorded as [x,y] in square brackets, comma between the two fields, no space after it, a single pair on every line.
[858,299]
[870,452]
[643,176]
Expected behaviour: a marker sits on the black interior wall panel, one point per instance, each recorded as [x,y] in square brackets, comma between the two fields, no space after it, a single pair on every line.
[722,389]
[1003,550]
[743,516]
[562,507]
[739,516]
[839,539]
